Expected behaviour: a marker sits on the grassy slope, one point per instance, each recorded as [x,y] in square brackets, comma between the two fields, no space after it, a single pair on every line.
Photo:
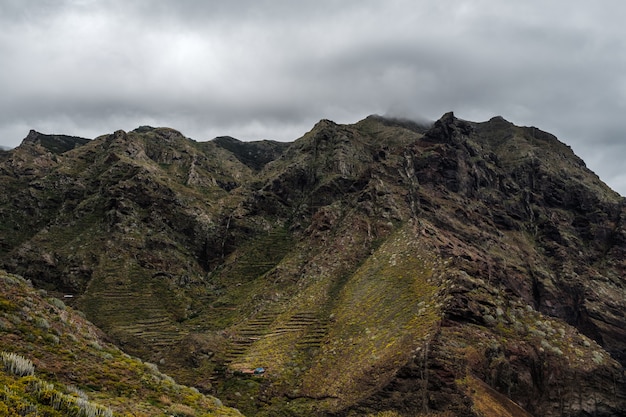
[385,311]
[344,333]
[72,358]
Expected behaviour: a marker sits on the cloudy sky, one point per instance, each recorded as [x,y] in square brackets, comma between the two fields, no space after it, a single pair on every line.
[270,69]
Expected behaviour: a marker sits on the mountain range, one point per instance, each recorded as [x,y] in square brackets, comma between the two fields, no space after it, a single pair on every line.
[381,268]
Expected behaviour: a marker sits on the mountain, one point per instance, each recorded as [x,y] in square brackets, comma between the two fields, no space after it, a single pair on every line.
[379,268]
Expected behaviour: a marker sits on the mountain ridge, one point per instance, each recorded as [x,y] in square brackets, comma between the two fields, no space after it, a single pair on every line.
[382,266]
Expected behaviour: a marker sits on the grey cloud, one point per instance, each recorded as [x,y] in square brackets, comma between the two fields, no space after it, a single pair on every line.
[271,69]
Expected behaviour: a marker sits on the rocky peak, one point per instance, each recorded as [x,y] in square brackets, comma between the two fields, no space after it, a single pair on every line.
[57,144]
[500,119]
[324,124]
[169,135]
[449,129]
[32,136]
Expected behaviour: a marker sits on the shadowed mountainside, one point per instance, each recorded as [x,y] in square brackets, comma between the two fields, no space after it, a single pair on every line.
[462,268]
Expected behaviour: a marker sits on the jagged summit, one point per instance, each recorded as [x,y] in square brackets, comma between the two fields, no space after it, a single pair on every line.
[499,119]
[56,144]
[380,266]
[32,136]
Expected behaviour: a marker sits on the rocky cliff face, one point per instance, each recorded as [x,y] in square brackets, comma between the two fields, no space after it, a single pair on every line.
[462,268]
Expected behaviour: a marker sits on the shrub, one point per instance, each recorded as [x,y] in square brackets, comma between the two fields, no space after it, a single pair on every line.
[181,410]
[52,339]
[76,404]
[16,364]
[6,305]
[94,344]
[152,368]
[89,409]
[12,280]
[4,325]
[597,357]
[77,391]
[57,303]
[42,323]
[14,404]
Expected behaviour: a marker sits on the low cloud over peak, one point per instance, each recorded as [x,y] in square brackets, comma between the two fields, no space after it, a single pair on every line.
[270,70]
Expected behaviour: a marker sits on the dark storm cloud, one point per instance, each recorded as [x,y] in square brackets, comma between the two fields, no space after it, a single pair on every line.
[271,69]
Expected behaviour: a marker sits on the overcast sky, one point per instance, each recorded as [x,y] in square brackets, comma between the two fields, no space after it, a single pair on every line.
[263,69]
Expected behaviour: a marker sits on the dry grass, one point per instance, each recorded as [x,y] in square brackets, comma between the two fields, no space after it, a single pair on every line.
[387,309]
[490,403]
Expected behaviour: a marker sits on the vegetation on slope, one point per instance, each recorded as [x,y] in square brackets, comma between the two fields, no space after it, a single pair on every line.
[55,363]
[380,267]
[386,310]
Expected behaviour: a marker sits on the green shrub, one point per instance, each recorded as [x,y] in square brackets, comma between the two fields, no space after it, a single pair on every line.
[15,405]
[42,323]
[51,339]
[57,303]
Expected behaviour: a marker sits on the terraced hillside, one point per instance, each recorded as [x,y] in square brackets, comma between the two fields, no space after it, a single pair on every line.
[55,363]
